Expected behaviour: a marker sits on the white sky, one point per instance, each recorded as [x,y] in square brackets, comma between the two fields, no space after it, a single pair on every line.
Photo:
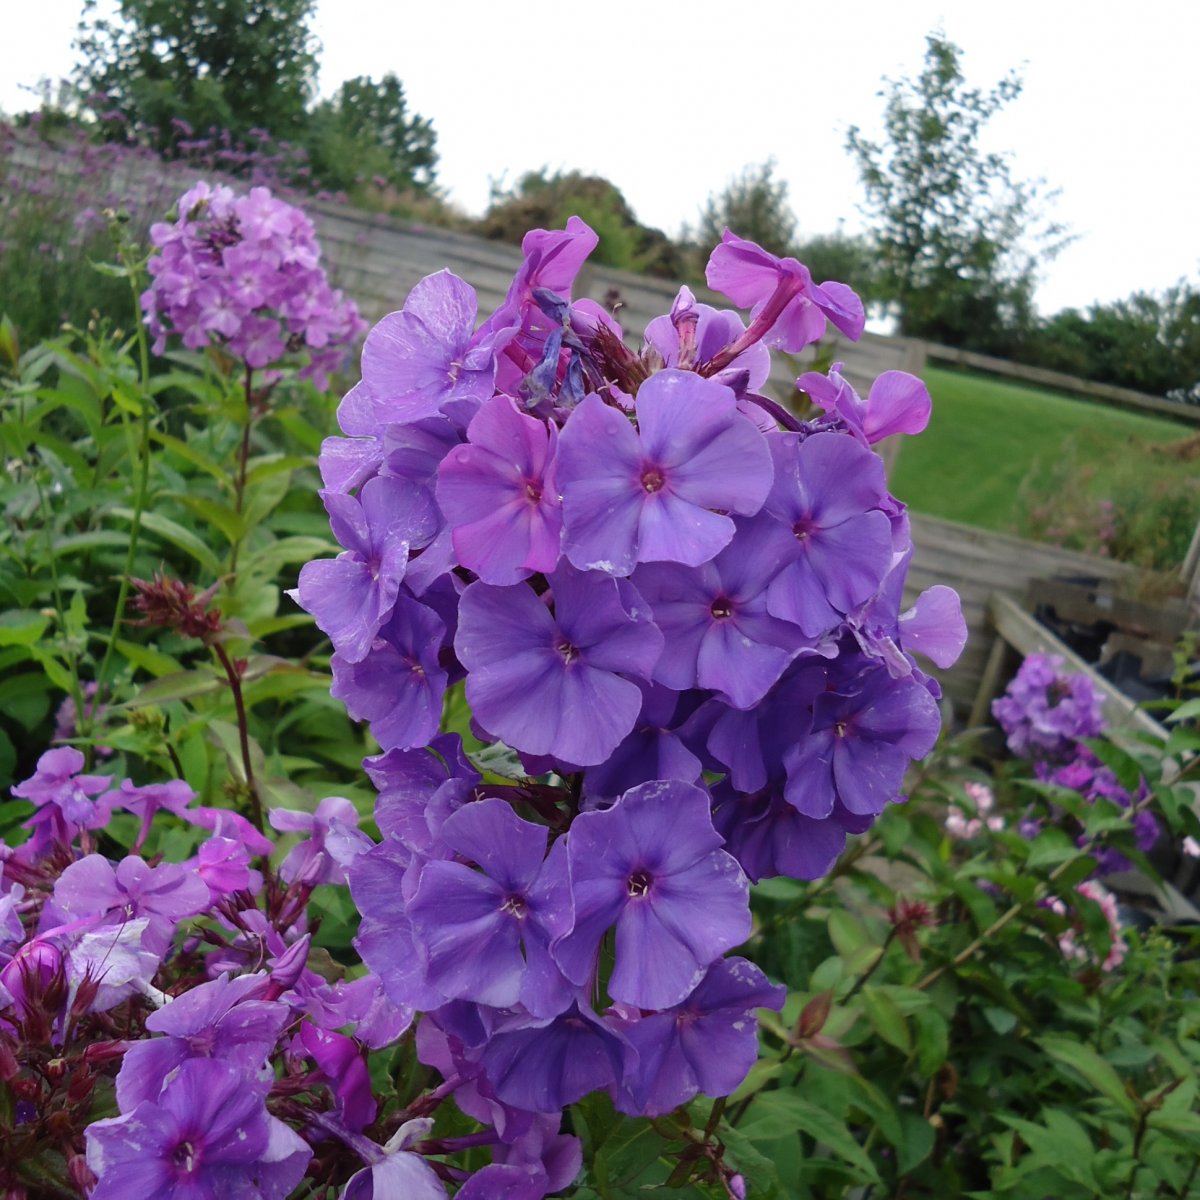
[670,100]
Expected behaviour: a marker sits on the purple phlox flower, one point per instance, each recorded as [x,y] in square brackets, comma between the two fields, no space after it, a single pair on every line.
[346,463]
[419,789]
[695,333]
[385,937]
[352,595]
[224,865]
[451,1041]
[398,686]
[769,837]
[1045,711]
[862,739]
[827,490]
[552,258]
[549,1156]
[934,626]
[787,310]
[472,925]
[897,402]
[363,1003]
[542,1066]
[12,930]
[424,360]
[530,672]
[706,1044]
[714,618]
[221,822]
[33,970]
[164,894]
[66,718]
[119,958]
[648,495]
[654,748]
[207,1134]
[65,798]
[340,1064]
[501,1182]
[309,860]
[500,496]
[225,1019]
[393,1169]
[174,796]
[652,867]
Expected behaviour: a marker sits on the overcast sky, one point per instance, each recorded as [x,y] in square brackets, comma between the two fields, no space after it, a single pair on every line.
[670,100]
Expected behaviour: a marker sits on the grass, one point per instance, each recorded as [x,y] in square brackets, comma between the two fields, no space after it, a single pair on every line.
[1019,459]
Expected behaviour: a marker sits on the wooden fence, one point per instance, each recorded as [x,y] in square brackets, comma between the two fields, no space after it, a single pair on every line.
[1102,393]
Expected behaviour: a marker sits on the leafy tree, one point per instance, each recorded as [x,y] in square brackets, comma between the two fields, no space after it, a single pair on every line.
[546,199]
[754,205]
[233,64]
[958,237]
[367,133]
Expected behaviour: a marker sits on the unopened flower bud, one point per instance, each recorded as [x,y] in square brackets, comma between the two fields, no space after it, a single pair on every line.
[737,1187]
[288,966]
[80,1174]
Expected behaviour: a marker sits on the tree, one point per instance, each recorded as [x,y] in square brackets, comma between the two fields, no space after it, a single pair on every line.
[755,206]
[234,64]
[546,199]
[958,237]
[367,132]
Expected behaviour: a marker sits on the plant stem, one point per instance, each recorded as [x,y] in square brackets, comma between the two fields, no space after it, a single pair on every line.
[239,484]
[239,703]
[997,925]
[143,468]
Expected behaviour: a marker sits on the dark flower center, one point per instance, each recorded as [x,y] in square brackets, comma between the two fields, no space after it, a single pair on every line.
[839,730]
[566,651]
[533,489]
[639,883]
[722,608]
[185,1157]
[514,905]
[802,529]
[652,479]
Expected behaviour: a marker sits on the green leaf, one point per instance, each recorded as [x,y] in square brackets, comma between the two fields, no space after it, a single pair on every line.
[174,533]
[919,1138]
[218,515]
[779,1113]
[150,660]
[1051,847]
[21,627]
[180,685]
[1084,1060]
[886,1018]
[1189,710]
[847,933]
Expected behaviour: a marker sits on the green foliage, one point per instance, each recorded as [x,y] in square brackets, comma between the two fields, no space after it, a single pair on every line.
[959,240]
[111,473]
[541,199]
[235,65]
[1146,342]
[366,134]
[938,1040]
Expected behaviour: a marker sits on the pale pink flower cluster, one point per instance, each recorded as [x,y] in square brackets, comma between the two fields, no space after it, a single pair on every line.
[1068,940]
[962,827]
[245,271]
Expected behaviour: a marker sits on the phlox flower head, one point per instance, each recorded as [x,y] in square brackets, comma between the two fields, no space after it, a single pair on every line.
[1046,710]
[244,271]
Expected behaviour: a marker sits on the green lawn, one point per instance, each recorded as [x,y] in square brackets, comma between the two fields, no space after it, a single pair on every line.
[1001,455]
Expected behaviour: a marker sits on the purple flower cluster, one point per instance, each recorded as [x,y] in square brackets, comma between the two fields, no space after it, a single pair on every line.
[1046,710]
[245,270]
[1046,713]
[241,1070]
[675,613]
